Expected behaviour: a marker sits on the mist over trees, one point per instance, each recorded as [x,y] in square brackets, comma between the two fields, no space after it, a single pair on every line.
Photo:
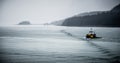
[97,18]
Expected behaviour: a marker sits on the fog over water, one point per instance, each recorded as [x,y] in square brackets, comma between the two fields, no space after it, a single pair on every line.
[43,11]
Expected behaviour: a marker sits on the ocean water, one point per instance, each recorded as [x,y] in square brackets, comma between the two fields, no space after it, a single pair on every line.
[111,34]
[47,44]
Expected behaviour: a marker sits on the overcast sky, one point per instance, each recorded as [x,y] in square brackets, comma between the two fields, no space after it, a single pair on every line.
[43,11]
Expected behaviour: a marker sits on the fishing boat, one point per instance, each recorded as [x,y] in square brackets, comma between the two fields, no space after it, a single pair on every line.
[91,34]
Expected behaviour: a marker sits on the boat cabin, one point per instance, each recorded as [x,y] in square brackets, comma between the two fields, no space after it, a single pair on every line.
[91,34]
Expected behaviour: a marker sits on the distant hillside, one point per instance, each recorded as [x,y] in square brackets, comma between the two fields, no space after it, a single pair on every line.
[116,9]
[58,23]
[98,18]
[24,23]
[88,13]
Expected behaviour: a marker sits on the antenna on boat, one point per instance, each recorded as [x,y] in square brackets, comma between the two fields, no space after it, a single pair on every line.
[91,29]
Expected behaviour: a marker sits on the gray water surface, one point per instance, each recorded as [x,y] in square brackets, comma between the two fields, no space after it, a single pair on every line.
[47,44]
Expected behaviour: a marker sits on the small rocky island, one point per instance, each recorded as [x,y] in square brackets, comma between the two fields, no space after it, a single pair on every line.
[24,23]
